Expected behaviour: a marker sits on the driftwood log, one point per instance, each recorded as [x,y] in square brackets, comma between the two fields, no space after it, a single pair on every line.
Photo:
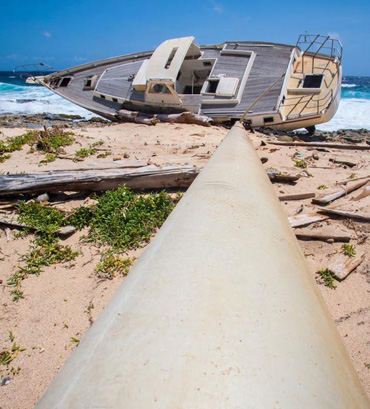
[148,119]
[323,145]
[323,237]
[299,196]
[148,177]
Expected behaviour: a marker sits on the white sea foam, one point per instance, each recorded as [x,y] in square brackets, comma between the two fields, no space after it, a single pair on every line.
[36,100]
[349,85]
[352,113]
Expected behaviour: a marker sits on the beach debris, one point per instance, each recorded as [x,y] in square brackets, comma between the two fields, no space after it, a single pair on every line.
[343,265]
[147,177]
[299,196]
[306,219]
[7,233]
[299,209]
[330,238]
[322,145]
[147,119]
[344,213]
[278,176]
[330,197]
[365,193]
[343,162]
[344,182]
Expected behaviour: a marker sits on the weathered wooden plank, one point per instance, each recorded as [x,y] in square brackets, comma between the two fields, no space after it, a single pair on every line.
[323,237]
[299,196]
[306,219]
[344,213]
[344,265]
[149,177]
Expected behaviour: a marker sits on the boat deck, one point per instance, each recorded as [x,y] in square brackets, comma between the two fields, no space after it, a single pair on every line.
[115,80]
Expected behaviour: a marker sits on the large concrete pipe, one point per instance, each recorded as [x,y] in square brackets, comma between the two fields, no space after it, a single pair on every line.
[221,311]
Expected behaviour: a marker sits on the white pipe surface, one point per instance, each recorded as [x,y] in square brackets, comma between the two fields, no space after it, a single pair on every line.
[221,311]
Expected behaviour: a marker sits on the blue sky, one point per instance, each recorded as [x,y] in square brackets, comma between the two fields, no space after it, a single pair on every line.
[68,33]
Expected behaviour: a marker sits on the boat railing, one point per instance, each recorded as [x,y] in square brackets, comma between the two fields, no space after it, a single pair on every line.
[300,103]
[30,72]
[319,46]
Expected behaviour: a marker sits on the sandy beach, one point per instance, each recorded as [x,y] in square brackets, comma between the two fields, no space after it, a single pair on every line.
[62,302]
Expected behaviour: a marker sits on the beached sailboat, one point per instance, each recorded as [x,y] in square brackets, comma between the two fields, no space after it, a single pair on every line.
[264,84]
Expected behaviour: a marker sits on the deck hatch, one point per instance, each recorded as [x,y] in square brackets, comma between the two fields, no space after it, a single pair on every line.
[312,81]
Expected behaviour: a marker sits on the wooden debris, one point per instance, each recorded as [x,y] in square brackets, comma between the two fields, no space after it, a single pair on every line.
[149,177]
[185,118]
[343,162]
[344,182]
[322,145]
[299,196]
[328,198]
[323,237]
[135,116]
[277,176]
[7,234]
[344,213]
[344,265]
[147,119]
[305,219]
[365,193]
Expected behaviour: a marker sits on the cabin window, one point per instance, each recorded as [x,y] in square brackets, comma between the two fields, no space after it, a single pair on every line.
[114,99]
[65,81]
[212,86]
[90,82]
[171,57]
[159,89]
[268,119]
[207,63]
[312,81]
[102,96]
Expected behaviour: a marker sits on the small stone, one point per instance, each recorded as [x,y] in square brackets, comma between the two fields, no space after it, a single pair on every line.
[5,381]
[264,160]
[315,156]
[115,158]
[126,155]
[67,230]
[42,198]
[330,240]
[42,350]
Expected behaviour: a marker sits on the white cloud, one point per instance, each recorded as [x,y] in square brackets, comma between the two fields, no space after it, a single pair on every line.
[334,35]
[217,7]
[46,34]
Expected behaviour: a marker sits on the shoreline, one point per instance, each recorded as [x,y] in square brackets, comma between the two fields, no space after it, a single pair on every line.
[58,303]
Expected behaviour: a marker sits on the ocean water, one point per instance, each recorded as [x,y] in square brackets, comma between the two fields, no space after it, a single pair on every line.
[17,97]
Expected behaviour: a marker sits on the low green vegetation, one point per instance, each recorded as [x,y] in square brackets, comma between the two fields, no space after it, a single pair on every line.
[300,164]
[111,264]
[352,176]
[120,220]
[50,141]
[8,355]
[322,187]
[327,277]
[348,250]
